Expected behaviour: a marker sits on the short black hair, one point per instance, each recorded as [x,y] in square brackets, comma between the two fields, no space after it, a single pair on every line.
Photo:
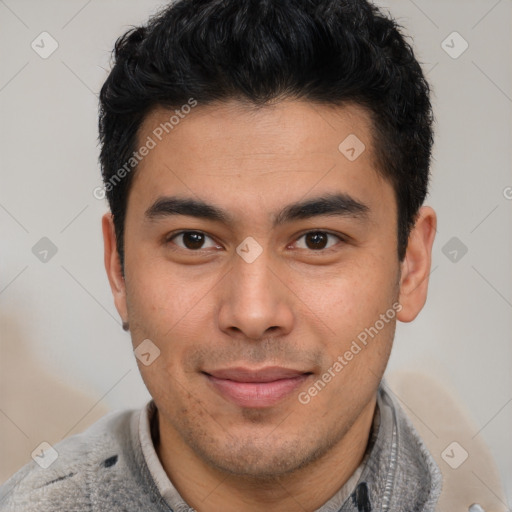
[332,52]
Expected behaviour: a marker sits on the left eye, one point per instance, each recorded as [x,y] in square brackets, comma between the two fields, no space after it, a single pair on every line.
[317,240]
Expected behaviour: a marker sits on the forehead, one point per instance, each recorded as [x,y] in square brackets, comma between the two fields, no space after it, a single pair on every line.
[232,150]
[289,128]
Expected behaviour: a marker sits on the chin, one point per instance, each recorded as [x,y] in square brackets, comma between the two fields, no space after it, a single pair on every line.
[263,460]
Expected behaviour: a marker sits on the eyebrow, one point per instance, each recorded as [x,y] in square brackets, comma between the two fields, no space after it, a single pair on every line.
[340,205]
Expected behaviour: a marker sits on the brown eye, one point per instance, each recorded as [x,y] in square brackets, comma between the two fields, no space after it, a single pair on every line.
[191,240]
[317,240]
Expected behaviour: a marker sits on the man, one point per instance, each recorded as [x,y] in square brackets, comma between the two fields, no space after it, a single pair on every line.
[265,165]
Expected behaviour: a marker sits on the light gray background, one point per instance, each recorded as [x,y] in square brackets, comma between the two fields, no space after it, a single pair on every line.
[61,314]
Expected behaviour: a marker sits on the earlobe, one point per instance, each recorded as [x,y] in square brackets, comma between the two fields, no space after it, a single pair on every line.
[415,269]
[113,267]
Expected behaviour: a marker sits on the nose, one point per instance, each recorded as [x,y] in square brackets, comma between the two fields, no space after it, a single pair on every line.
[255,303]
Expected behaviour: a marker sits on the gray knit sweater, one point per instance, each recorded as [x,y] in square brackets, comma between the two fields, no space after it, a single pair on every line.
[112,466]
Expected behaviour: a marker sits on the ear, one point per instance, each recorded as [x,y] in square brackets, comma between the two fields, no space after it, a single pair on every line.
[113,266]
[415,268]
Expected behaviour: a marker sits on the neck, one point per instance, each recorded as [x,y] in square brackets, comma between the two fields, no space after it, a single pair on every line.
[208,489]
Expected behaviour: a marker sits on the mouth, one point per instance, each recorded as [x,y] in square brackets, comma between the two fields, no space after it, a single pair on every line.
[262,387]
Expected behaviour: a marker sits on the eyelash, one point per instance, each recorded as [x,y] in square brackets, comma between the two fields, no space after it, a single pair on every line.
[173,235]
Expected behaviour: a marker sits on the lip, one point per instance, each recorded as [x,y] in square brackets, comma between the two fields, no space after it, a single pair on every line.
[262,387]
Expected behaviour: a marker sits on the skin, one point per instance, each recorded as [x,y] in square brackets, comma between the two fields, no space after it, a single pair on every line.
[298,304]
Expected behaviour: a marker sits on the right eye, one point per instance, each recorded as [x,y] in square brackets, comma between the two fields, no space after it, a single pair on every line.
[190,240]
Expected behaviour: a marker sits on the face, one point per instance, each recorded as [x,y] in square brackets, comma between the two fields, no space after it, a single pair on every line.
[257,256]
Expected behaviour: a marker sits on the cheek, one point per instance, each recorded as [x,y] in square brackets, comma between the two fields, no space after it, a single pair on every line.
[351,296]
[174,312]
[159,295]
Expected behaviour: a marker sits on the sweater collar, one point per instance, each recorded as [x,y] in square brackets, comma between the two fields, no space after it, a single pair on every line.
[397,469]
[399,474]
